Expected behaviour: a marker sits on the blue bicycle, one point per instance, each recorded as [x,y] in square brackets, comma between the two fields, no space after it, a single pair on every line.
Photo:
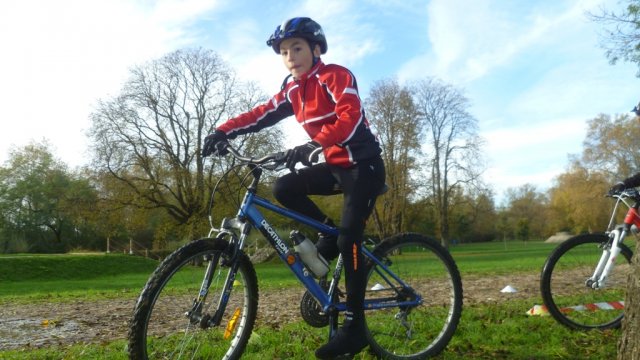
[201,301]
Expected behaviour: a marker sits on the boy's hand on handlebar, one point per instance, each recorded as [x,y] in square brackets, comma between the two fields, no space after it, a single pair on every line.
[307,154]
[617,188]
[215,143]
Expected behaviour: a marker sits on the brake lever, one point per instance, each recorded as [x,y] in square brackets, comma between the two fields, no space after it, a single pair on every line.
[277,163]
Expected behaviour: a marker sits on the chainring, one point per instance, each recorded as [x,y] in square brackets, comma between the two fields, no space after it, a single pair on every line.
[311,311]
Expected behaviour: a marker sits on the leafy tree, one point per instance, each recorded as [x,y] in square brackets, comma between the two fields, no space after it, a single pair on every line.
[42,200]
[576,201]
[610,146]
[421,217]
[525,213]
[474,218]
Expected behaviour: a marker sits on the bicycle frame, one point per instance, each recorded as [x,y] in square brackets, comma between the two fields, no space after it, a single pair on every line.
[249,216]
[616,236]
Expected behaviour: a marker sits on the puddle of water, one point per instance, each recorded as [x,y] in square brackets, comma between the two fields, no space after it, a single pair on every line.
[15,332]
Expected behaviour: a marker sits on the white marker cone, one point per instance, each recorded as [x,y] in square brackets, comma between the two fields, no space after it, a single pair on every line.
[377,286]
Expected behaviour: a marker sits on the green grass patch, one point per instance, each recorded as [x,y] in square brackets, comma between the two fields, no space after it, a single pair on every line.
[496,258]
[498,331]
[63,277]
[487,331]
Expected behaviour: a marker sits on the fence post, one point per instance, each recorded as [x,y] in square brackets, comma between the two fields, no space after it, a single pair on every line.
[130,246]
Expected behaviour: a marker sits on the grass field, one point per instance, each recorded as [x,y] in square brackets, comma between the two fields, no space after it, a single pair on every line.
[487,331]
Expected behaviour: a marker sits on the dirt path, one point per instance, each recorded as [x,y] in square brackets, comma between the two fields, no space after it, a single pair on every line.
[42,325]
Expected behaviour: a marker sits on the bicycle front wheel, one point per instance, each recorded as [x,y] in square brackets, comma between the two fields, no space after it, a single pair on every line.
[568,296]
[430,276]
[172,319]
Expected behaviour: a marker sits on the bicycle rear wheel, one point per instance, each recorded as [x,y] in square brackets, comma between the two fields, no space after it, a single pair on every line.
[567,296]
[170,319]
[413,332]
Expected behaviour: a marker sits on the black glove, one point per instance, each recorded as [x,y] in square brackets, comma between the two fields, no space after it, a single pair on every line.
[215,143]
[617,188]
[306,154]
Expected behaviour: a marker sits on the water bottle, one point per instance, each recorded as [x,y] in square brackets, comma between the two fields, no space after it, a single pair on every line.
[309,254]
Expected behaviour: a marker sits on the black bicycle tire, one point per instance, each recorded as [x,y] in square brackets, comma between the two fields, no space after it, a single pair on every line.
[549,267]
[398,240]
[162,274]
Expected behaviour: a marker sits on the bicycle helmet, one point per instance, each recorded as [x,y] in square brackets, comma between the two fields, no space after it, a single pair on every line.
[302,27]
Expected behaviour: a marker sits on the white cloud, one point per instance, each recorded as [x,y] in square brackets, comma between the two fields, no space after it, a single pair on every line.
[533,153]
[350,38]
[584,87]
[59,57]
[535,138]
[471,39]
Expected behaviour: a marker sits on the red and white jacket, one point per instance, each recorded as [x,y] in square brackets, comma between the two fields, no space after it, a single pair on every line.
[325,102]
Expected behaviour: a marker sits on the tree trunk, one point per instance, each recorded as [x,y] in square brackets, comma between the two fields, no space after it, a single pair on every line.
[378,223]
[629,344]
[444,231]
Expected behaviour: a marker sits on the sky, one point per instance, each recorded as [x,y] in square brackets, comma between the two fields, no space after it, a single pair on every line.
[534,71]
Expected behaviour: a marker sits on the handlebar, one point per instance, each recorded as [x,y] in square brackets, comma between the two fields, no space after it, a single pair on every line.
[631,193]
[276,159]
[272,161]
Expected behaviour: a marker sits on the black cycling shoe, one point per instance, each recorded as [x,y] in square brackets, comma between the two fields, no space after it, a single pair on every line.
[345,344]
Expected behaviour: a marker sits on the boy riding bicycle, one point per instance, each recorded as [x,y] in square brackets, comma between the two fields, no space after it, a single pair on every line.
[324,99]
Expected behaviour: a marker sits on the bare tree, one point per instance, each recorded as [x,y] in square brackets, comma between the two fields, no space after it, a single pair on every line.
[620,38]
[393,114]
[452,144]
[150,136]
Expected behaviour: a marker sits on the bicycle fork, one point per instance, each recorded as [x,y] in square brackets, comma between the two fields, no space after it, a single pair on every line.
[196,313]
[607,260]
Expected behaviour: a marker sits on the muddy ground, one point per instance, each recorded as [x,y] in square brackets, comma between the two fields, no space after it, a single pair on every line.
[42,325]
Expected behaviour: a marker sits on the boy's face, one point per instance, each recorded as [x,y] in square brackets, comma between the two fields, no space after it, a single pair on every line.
[297,56]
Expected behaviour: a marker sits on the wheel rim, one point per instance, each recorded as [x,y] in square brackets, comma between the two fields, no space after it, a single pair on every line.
[578,305]
[418,330]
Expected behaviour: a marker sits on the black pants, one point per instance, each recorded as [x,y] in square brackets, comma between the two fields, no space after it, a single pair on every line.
[360,185]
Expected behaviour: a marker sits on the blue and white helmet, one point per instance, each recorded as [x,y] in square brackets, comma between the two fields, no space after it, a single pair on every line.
[298,27]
